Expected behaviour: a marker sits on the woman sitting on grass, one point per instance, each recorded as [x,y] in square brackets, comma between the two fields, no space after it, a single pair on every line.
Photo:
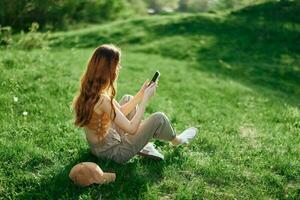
[116,130]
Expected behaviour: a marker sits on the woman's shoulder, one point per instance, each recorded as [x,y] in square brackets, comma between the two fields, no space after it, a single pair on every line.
[104,96]
[103,100]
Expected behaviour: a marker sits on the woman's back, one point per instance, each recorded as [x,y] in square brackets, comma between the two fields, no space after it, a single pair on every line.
[98,126]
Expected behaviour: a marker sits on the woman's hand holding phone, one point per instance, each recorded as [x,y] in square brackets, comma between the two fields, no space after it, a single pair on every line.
[149,92]
[149,87]
[144,86]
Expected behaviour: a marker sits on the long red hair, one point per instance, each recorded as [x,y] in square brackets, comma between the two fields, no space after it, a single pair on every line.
[99,77]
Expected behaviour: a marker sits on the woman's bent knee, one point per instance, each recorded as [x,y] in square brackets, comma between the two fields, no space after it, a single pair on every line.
[159,116]
[125,99]
[128,97]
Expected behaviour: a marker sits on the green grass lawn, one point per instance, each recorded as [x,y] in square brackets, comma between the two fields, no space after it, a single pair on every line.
[236,77]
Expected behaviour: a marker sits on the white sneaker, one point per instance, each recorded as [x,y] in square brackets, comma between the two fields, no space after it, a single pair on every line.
[187,135]
[150,151]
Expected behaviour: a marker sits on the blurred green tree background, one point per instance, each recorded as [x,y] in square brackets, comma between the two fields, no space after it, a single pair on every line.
[60,14]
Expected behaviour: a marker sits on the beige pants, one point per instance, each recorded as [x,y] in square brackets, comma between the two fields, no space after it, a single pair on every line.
[121,146]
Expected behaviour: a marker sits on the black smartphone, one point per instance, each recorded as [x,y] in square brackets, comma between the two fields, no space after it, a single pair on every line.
[156,75]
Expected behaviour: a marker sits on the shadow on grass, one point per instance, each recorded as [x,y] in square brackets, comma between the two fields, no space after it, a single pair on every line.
[133,179]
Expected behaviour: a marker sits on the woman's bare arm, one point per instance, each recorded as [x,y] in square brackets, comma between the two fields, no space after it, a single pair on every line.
[120,119]
[130,105]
